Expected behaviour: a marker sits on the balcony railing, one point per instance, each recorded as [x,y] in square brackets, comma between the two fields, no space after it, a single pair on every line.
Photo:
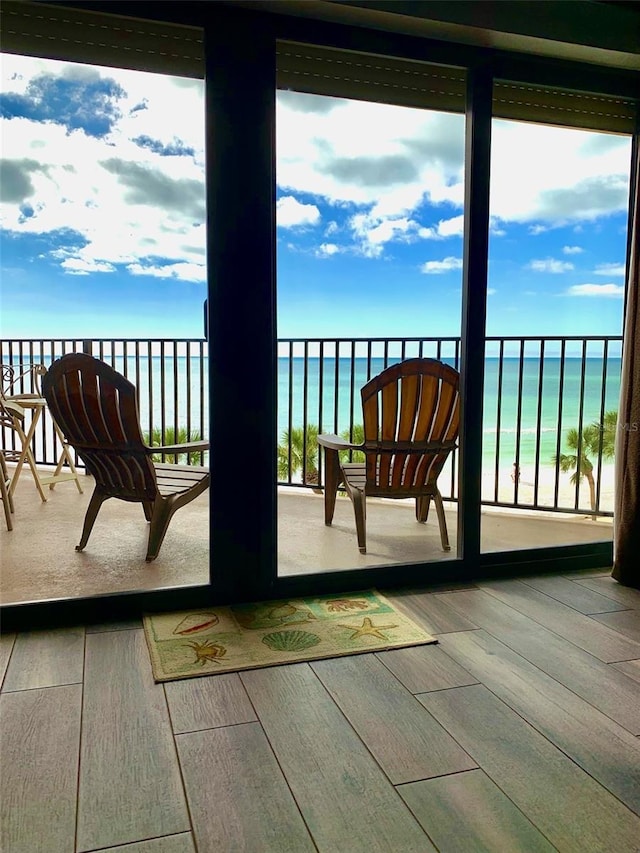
[537,391]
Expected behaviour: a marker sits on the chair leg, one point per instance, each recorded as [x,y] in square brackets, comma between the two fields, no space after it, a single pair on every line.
[444,537]
[7,500]
[360,509]
[147,506]
[162,512]
[7,481]
[5,503]
[332,480]
[422,508]
[97,499]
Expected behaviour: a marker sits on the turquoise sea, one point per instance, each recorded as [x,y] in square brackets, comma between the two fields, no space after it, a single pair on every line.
[530,409]
[532,415]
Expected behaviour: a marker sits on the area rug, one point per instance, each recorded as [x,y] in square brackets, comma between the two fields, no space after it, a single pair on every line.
[249,636]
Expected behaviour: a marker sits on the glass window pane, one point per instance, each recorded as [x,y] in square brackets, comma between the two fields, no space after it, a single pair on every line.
[559,203]
[103,246]
[369,215]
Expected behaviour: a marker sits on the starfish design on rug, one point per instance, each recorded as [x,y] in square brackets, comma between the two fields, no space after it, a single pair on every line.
[368,629]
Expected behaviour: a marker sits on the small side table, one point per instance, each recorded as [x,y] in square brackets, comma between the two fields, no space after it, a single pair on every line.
[37,405]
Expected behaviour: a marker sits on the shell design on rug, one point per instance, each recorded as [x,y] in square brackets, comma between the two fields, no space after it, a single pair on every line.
[257,616]
[194,622]
[290,641]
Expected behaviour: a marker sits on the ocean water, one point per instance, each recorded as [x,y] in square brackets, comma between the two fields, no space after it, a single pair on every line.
[525,414]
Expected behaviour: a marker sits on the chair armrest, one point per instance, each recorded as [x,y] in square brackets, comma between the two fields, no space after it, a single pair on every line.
[9,377]
[336,442]
[190,446]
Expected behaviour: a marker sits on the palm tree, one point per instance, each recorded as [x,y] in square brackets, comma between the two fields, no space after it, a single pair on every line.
[356,437]
[170,437]
[299,450]
[608,428]
[597,440]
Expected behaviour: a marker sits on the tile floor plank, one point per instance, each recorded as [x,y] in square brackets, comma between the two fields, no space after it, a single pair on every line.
[430,613]
[612,589]
[40,739]
[130,787]
[604,749]
[182,843]
[574,595]
[600,641]
[587,573]
[407,743]
[601,685]
[6,647]
[626,622]
[339,788]
[468,813]
[569,808]
[208,702]
[630,668]
[46,659]
[238,798]
[424,668]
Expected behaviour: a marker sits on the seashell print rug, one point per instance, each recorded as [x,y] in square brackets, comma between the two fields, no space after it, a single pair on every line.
[248,636]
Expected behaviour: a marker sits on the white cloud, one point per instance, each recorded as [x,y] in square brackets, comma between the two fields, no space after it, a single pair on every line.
[538,229]
[373,234]
[327,249]
[290,212]
[551,265]
[550,176]
[380,156]
[181,271]
[78,266]
[572,250]
[451,227]
[438,267]
[69,189]
[610,269]
[613,291]
[379,160]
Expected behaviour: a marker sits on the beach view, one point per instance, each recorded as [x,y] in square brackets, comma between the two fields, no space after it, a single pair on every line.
[103,240]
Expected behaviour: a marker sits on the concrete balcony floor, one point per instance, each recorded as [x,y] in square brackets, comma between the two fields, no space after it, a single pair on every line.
[39,560]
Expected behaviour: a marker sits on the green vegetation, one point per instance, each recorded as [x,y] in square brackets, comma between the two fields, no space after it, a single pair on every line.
[183,436]
[597,439]
[300,450]
[356,437]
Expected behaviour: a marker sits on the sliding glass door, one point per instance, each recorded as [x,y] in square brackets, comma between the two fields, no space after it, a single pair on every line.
[103,244]
[369,265]
[559,203]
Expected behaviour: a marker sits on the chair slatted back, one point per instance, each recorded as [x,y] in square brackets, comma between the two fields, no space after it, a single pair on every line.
[96,409]
[411,414]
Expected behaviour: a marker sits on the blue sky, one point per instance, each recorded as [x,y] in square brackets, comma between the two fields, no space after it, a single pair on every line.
[103,216]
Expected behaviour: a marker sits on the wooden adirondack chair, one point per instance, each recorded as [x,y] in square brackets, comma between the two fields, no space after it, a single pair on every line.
[411,416]
[96,408]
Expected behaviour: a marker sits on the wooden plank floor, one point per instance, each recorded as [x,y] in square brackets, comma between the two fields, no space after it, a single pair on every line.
[518,732]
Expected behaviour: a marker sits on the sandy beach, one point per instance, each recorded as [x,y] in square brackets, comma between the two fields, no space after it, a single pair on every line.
[546,485]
